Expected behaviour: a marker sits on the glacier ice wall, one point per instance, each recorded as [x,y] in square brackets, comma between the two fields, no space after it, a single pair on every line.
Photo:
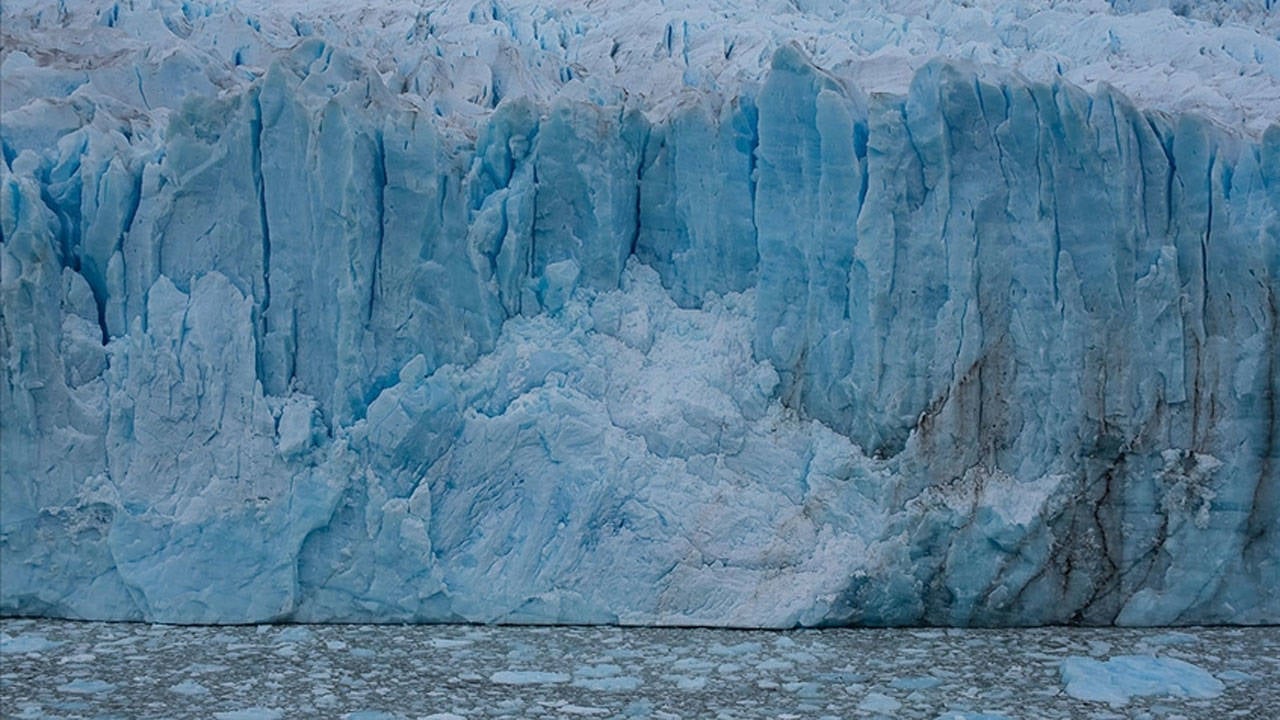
[300,345]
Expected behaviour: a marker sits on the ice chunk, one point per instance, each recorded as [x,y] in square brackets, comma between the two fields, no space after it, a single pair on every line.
[87,686]
[618,683]
[250,713]
[923,682]
[189,687]
[1123,677]
[26,643]
[528,677]
[878,703]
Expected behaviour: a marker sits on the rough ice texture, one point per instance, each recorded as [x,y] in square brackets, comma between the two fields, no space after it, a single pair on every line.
[726,316]
[1118,680]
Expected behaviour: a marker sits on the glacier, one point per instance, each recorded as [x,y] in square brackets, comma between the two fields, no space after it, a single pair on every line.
[733,314]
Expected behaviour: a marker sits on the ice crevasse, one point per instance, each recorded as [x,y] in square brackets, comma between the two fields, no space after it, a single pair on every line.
[290,334]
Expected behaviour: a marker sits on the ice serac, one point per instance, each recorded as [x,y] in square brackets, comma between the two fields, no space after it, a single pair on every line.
[295,331]
[1053,298]
[811,185]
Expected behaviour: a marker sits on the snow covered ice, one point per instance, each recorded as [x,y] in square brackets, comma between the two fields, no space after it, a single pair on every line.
[732,313]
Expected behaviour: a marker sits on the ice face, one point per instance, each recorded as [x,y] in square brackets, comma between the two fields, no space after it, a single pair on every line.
[295,328]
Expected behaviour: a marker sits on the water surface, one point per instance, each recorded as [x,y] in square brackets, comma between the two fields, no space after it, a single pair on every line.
[59,669]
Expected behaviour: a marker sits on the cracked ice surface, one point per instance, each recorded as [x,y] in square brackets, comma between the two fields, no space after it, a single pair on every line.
[57,669]
[729,314]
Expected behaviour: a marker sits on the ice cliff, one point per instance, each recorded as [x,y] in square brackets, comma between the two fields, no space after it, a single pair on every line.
[725,314]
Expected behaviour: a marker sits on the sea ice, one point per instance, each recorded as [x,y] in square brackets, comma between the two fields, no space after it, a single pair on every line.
[25,643]
[528,677]
[250,713]
[879,703]
[1119,679]
[985,673]
[87,686]
[189,687]
[621,683]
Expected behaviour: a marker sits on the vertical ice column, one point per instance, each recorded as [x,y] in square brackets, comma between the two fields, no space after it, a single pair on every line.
[811,181]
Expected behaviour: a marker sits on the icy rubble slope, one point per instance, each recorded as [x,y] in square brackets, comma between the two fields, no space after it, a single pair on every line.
[363,326]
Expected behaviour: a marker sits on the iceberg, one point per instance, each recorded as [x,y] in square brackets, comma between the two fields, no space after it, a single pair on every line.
[1119,679]
[736,314]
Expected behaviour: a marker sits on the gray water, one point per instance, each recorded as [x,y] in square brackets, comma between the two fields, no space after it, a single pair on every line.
[58,669]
